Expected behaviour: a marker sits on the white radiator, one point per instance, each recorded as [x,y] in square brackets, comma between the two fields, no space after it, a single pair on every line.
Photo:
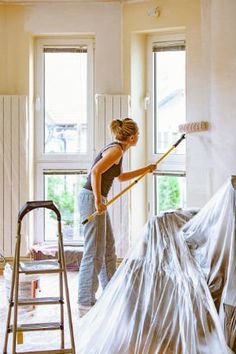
[109,107]
[13,170]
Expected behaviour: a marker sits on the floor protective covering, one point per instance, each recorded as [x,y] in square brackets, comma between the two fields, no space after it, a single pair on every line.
[175,292]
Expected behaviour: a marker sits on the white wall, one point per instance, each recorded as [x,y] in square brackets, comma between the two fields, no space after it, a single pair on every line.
[211,155]
[219,78]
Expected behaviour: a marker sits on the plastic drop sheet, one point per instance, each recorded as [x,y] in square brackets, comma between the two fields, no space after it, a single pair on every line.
[172,292]
[211,238]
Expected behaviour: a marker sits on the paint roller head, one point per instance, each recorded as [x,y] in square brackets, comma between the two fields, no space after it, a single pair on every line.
[193,127]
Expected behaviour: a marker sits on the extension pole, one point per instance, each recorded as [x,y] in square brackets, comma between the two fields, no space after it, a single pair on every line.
[91,216]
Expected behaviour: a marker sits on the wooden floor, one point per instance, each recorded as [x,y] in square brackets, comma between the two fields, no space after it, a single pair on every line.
[33,340]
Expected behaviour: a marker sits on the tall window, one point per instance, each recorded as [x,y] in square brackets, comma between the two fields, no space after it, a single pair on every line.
[63,130]
[65,104]
[167,110]
[169,94]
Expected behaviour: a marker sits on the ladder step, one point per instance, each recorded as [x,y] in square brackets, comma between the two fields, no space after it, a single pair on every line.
[40,301]
[29,327]
[53,351]
[46,271]
[40,267]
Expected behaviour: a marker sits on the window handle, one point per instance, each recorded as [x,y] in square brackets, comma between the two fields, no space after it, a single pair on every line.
[37,103]
[146,101]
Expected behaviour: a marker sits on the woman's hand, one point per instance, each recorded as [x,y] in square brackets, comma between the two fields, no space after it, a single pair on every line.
[100,207]
[151,167]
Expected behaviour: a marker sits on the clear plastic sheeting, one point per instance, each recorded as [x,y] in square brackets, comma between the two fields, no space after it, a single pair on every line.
[211,237]
[158,301]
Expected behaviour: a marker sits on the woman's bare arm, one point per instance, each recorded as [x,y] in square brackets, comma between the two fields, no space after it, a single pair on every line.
[126,176]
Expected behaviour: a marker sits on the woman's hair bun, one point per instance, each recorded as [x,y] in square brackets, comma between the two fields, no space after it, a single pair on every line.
[122,129]
[116,123]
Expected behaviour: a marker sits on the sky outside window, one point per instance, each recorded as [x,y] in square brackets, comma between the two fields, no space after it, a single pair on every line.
[169,107]
[65,102]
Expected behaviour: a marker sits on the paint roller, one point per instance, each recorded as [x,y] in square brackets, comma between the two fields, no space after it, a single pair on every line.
[186,128]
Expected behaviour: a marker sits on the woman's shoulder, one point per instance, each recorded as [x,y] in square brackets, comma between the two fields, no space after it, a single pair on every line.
[113,145]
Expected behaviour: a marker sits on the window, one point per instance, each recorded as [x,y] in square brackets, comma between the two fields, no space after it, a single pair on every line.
[169,191]
[63,131]
[63,188]
[169,94]
[166,82]
[65,100]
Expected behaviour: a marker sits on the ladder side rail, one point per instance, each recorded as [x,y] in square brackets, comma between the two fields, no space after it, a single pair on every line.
[63,286]
[59,256]
[11,300]
[67,296]
[16,285]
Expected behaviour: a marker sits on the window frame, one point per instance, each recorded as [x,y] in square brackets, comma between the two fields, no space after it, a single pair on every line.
[174,164]
[39,221]
[41,156]
[55,161]
[180,174]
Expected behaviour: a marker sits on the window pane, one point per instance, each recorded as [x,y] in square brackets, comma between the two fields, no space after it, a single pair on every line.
[65,102]
[169,98]
[169,192]
[63,189]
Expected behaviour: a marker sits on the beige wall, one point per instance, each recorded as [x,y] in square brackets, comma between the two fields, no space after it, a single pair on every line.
[174,14]
[14,52]
[20,22]
[138,153]
[120,66]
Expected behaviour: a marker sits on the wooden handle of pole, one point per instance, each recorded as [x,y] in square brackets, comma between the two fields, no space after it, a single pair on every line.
[91,216]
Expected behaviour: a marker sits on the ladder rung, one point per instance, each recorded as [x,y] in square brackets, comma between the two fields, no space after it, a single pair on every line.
[40,301]
[29,327]
[45,271]
[40,267]
[53,351]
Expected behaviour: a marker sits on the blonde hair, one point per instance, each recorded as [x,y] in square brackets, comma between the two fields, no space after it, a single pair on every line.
[122,129]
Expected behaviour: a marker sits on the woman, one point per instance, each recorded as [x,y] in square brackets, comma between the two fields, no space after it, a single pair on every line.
[99,258]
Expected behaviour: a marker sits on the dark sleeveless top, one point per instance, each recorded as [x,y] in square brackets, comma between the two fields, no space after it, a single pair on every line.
[109,175]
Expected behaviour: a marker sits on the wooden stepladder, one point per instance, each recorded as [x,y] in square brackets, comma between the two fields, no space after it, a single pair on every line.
[39,267]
